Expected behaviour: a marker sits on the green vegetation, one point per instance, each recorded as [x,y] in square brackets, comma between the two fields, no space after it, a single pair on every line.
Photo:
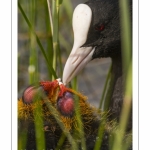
[43,24]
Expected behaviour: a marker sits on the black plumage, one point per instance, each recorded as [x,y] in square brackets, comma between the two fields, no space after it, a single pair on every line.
[107,40]
[104,40]
[107,43]
[105,35]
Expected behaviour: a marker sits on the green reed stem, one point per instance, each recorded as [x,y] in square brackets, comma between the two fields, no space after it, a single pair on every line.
[126,33]
[104,105]
[75,83]
[105,89]
[80,123]
[61,141]
[50,15]
[69,10]
[120,133]
[78,115]
[33,63]
[54,22]
[127,66]
[49,25]
[22,139]
[61,125]
[59,61]
[55,31]
[38,41]
[100,134]
[38,122]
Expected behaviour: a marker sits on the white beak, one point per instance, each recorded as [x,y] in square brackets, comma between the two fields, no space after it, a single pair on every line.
[79,56]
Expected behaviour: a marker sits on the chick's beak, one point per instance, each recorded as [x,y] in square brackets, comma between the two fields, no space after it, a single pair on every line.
[79,56]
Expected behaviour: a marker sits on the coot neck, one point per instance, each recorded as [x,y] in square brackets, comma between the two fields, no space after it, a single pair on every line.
[117,87]
[117,67]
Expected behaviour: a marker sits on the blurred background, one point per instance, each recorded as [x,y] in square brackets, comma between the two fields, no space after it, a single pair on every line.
[92,78]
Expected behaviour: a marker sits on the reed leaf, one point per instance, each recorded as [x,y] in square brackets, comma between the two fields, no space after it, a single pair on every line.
[127,67]
[38,41]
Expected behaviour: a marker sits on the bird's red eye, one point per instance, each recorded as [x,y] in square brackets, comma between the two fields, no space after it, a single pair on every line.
[100,27]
